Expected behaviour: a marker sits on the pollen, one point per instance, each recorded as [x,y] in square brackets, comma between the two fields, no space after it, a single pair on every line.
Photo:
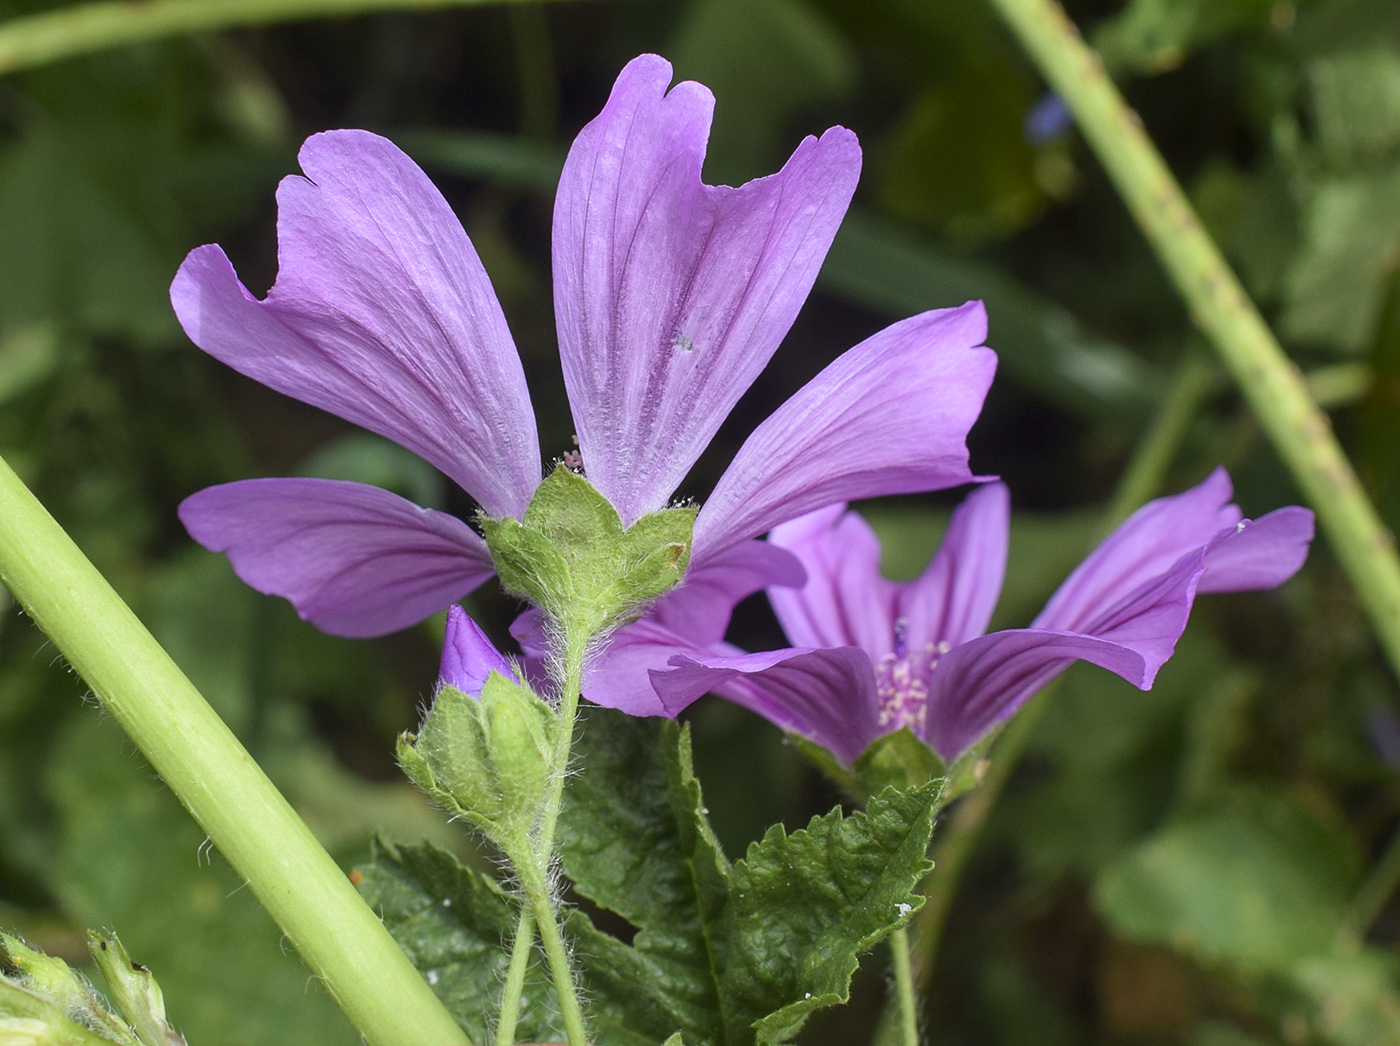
[902,680]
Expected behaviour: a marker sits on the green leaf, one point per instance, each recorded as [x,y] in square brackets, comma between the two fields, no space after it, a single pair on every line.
[728,954]
[456,925]
[1156,35]
[1356,101]
[1335,288]
[1260,882]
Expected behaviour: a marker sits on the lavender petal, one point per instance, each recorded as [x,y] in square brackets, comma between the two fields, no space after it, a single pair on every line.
[381,314]
[353,560]
[671,295]
[890,416]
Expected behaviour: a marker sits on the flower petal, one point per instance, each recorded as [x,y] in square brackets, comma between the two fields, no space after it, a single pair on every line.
[1145,545]
[984,681]
[953,600]
[701,606]
[690,619]
[889,416]
[381,314]
[845,601]
[671,295]
[468,657]
[353,560]
[826,695]
[1261,553]
[621,675]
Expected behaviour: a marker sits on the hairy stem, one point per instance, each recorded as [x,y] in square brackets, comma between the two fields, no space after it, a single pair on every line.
[83,28]
[201,761]
[533,878]
[1299,430]
[515,978]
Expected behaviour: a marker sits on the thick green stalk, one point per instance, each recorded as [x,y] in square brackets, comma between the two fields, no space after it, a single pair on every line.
[520,950]
[1300,432]
[84,28]
[250,822]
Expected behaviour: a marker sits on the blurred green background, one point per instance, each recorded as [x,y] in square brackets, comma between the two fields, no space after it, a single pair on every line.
[1182,866]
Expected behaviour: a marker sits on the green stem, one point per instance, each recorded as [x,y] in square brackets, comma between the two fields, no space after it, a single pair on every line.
[531,865]
[250,822]
[904,988]
[532,877]
[1300,432]
[83,28]
[515,978]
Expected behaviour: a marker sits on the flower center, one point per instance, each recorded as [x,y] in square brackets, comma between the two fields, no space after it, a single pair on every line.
[902,679]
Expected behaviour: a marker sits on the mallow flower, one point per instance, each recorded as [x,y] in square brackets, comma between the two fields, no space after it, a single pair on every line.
[670,296]
[873,656]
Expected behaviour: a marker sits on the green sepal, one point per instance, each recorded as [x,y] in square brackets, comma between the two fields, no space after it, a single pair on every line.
[29,1019]
[134,991]
[967,770]
[572,557]
[489,760]
[43,1002]
[898,760]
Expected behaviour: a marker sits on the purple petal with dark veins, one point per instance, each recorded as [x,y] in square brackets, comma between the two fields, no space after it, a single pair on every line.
[381,314]
[985,680]
[701,606]
[621,675]
[953,600]
[889,416]
[1147,543]
[468,657]
[826,695]
[845,601]
[671,295]
[1262,553]
[354,560]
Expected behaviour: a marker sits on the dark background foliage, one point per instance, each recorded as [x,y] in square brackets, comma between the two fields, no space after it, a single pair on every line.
[1169,867]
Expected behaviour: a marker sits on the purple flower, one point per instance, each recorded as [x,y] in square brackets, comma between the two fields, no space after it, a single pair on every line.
[468,657]
[873,656]
[670,297]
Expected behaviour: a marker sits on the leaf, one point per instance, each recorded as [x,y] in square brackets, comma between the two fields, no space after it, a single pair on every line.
[1334,289]
[1259,882]
[728,954]
[1156,35]
[456,925]
[1356,101]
